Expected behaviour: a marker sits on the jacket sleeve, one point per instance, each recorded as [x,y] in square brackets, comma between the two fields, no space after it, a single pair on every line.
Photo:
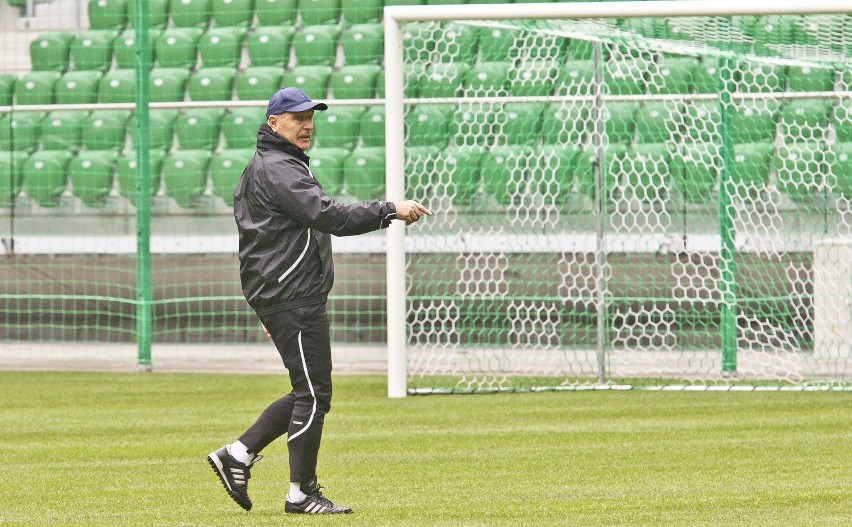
[289,188]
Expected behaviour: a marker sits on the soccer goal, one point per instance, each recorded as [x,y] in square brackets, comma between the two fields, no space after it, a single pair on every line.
[626,194]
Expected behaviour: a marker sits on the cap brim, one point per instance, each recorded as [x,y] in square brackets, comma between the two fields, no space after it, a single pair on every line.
[308,106]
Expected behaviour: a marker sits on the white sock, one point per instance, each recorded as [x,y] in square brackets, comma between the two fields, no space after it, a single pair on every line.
[296,495]
[240,452]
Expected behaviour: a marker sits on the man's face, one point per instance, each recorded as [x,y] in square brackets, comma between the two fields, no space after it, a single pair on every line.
[294,127]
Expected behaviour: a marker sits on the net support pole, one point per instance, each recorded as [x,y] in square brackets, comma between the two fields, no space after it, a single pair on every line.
[144,315]
[395,189]
[600,211]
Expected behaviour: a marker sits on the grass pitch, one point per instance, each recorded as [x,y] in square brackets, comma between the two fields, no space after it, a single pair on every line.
[103,449]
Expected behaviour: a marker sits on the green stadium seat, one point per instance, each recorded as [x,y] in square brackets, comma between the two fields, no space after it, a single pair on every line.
[36,87]
[533,78]
[418,45]
[107,14]
[125,170]
[19,131]
[226,168]
[463,166]
[424,173]
[233,13]
[846,79]
[504,172]
[45,176]
[804,120]
[567,123]
[91,174]
[657,122]
[583,165]
[487,78]
[751,166]
[124,48]
[620,121]
[177,47]
[672,75]
[258,83]
[841,168]
[158,13]
[580,49]
[11,175]
[699,174]
[7,88]
[78,87]
[316,45]
[429,124]
[337,127]
[754,121]
[361,11]
[524,123]
[327,168]
[167,84]
[270,45]
[805,78]
[190,13]
[757,77]
[843,121]
[313,80]
[117,86]
[198,128]
[221,46]
[105,130]
[62,129]
[275,12]
[363,44]
[184,174]
[92,50]
[240,126]
[355,82]
[212,84]
[772,29]
[705,77]
[702,121]
[444,80]
[498,43]
[364,173]
[576,78]
[50,51]
[458,43]
[317,12]
[161,123]
[625,77]
[372,126]
[647,172]
[801,170]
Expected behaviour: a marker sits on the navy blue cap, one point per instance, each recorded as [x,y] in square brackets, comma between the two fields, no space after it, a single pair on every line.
[292,100]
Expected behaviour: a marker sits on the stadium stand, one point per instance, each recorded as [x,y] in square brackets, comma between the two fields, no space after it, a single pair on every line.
[36,87]
[45,176]
[91,174]
[78,87]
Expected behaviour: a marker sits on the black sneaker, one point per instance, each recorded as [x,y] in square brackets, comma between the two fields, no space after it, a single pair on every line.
[233,475]
[315,503]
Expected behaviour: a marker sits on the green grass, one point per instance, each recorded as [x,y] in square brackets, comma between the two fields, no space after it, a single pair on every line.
[97,449]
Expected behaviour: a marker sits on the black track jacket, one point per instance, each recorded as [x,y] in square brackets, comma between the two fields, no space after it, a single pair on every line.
[285,221]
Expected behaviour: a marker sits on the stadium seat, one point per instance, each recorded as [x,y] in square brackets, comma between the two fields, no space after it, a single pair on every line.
[418,45]
[226,168]
[504,172]
[158,13]
[327,168]
[625,77]
[429,124]
[36,87]
[91,174]
[50,51]
[424,173]
[355,82]
[317,12]
[757,77]
[751,166]
[167,84]
[657,122]
[177,47]
[337,127]
[92,50]
[444,80]
[647,170]
[124,48]
[184,174]
[576,78]
[19,131]
[580,49]
[240,126]
[458,43]
[270,45]
[372,126]
[258,83]
[705,77]
[62,129]
[805,78]
[117,86]
[841,168]
[533,78]
[316,45]
[463,167]
[498,43]
[198,128]
[11,175]
[843,121]
[702,121]
[107,14]
[804,120]
[45,176]
[771,29]
[7,88]
[801,170]
[672,75]
[212,84]
[313,80]
[524,123]
[754,121]
[566,123]
[190,13]
[78,87]
[364,173]
[487,78]
[583,165]
[275,12]
[233,13]
[363,44]
[699,174]
[105,130]
[361,11]
[620,121]
[161,123]
[125,169]
[221,46]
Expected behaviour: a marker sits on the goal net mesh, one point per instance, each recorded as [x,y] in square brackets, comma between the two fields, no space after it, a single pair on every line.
[645,201]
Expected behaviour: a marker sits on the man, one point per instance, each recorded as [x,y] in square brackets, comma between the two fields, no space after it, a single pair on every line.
[285,221]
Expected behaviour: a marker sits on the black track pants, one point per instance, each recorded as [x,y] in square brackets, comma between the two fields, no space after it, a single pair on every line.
[302,338]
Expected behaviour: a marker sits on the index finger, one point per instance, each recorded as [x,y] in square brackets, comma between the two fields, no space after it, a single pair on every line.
[423,209]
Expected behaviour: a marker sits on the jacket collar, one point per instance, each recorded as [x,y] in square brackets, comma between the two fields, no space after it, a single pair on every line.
[268,139]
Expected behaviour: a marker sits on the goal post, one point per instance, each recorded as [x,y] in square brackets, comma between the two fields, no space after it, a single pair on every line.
[587,252]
